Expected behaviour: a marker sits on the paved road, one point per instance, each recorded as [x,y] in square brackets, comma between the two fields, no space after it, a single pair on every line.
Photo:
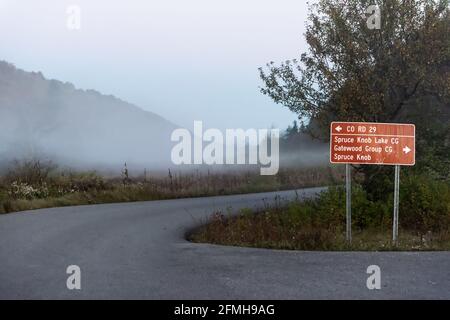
[137,250]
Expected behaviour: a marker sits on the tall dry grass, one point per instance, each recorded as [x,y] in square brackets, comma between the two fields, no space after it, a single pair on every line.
[35,184]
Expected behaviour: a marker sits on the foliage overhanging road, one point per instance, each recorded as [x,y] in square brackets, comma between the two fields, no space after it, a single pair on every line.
[138,250]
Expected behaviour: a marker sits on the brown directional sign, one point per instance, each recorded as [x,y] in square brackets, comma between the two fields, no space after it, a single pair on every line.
[373,143]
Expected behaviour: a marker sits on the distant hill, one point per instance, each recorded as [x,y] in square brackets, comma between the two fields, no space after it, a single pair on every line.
[50,119]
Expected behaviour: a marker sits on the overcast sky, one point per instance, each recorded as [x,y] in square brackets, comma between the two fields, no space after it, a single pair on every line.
[185,60]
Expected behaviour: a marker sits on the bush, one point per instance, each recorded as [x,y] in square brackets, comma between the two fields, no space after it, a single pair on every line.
[329,209]
[31,172]
[425,204]
[84,182]
[21,190]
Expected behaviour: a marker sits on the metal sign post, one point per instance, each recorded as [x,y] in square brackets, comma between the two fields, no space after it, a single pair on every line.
[348,191]
[396,205]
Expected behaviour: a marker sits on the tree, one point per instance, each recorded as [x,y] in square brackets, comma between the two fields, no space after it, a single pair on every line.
[354,72]
[292,131]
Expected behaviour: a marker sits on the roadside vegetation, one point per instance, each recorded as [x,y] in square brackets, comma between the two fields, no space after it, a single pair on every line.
[319,224]
[35,184]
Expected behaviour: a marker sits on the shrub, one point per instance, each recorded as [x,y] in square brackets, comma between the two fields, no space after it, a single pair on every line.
[425,204]
[31,172]
[21,190]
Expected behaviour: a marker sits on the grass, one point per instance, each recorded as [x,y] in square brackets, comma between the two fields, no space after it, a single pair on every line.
[260,232]
[319,224]
[34,185]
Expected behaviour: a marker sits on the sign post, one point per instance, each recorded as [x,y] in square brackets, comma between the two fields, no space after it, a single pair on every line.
[396,204]
[372,143]
[348,192]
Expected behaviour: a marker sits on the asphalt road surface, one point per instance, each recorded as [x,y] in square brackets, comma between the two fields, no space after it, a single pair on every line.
[138,251]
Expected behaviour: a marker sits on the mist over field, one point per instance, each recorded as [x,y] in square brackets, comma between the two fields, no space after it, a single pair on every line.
[84,129]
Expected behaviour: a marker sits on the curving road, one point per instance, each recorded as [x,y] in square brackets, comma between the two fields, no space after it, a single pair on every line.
[138,251]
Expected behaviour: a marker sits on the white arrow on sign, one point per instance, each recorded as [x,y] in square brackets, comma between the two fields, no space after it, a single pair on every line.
[406,150]
[338,128]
